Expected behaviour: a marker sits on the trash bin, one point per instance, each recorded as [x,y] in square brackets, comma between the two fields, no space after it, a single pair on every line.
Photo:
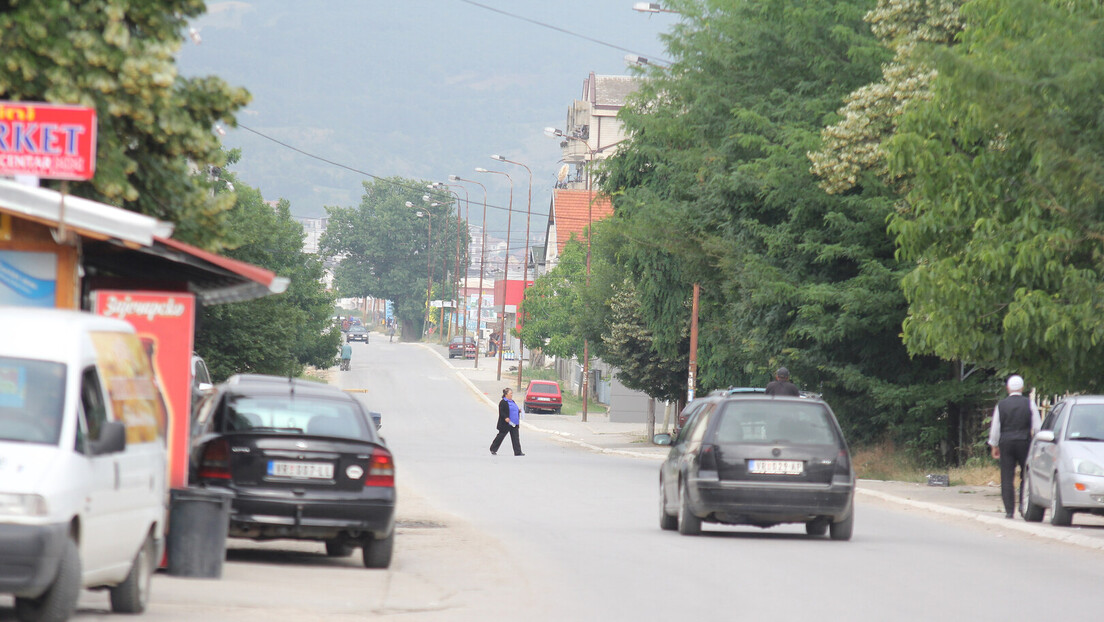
[198,521]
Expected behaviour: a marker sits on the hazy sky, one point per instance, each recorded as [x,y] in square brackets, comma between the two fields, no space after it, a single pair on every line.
[415,88]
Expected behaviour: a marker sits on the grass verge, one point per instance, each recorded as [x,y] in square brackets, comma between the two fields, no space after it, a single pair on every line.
[887,462]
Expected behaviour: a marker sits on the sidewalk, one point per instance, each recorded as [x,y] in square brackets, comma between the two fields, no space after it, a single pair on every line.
[978,503]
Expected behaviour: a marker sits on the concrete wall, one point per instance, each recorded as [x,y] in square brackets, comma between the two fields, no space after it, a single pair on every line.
[628,406]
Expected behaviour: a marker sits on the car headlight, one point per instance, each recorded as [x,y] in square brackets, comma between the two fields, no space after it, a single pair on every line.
[22,505]
[1087,467]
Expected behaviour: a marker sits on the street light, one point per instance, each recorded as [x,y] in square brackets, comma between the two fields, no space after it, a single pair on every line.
[429,253]
[555,133]
[482,262]
[525,271]
[505,268]
[456,281]
[651,7]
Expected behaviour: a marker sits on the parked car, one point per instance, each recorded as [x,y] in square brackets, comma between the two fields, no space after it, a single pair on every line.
[543,396]
[201,379]
[356,333]
[747,459]
[304,462]
[1065,463]
[82,462]
[462,346]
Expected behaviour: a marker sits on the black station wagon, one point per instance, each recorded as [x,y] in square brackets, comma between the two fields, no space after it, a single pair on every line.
[758,460]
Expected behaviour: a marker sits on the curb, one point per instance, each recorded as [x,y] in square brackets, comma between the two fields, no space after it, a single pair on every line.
[1003,523]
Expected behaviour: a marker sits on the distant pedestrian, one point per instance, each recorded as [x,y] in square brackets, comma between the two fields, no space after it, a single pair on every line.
[781,384]
[509,417]
[1015,420]
[346,355]
[391,334]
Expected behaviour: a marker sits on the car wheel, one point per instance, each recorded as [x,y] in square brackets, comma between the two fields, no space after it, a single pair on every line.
[132,595]
[1059,515]
[688,524]
[1031,512]
[842,530]
[339,548]
[59,601]
[667,522]
[817,527]
[556,410]
[377,553]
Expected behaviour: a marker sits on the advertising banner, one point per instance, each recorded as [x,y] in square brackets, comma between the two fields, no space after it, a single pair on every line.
[28,279]
[47,140]
[165,323]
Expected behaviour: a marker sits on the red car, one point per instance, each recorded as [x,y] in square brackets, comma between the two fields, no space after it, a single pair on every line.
[459,346]
[543,395]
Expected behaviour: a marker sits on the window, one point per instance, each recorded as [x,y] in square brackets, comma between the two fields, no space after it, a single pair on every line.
[1086,422]
[748,421]
[298,415]
[92,403]
[32,395]
[1052,416]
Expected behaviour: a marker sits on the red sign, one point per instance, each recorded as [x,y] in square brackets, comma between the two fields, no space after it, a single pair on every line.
[47,140]
[165,323]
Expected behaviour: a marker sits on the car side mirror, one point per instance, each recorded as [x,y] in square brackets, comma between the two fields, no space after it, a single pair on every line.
[112,439]
[661,439]
[1045,436]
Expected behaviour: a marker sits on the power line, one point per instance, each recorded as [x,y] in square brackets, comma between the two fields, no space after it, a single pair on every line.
[556,28]
[423,190]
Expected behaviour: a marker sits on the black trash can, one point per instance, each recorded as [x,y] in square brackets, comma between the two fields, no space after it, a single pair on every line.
[198,521]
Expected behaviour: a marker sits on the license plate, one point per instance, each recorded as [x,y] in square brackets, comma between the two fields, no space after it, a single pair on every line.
[300,470]
[544,399]
[776,467]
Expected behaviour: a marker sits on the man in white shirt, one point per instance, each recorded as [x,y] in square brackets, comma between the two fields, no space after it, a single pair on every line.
[1015,420]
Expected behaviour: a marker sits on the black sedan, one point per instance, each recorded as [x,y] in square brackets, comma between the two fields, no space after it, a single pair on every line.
[304,462]
[356,333]
[756,460]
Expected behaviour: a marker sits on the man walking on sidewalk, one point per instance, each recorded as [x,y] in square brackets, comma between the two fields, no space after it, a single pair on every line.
[1015,420]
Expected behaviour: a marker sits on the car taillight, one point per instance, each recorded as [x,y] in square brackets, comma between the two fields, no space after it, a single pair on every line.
[215,462]
[843,463]
[708,458]
[381,469]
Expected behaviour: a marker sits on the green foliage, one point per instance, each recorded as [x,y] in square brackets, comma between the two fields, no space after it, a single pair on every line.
[1002,227]
[553,306]
[155,128]
[714,187]
[629,346]
[276,334]
[383,245]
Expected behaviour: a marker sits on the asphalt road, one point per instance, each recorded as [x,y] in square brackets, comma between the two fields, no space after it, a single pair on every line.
[565,533]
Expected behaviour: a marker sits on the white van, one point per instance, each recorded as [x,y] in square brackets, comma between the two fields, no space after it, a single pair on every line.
[82,462]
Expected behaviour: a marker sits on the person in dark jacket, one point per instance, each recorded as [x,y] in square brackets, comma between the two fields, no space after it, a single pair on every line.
[781,384]
[1015,420]
[509,417]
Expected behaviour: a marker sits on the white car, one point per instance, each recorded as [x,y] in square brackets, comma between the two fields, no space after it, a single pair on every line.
[1065,463]
[82,462]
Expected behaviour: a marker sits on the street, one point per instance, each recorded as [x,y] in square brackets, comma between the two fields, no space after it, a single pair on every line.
[565,533]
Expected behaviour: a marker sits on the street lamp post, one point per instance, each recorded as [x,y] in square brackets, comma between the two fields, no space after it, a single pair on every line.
[429,258]
[482,262]
[553,132]
[525,270]
[505,269]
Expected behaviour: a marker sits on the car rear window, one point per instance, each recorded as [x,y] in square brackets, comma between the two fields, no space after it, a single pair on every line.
[545,387]
[755,421]
[298,415]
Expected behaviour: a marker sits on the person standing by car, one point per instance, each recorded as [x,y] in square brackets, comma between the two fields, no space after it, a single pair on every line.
[1015,420]
[781,384]
[346,355]
[509,417]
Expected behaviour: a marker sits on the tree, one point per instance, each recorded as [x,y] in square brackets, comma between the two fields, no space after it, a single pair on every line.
[630,346]
[1002,225]
[155,142]
[383,246]
[553,306]
[714,187]
[275,334]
